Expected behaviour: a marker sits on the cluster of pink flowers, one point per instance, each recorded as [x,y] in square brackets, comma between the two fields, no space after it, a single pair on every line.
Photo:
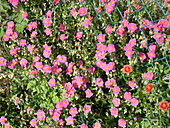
[106,67]
[151,53]
[128,48]
[110,6]
[3,122]
[102,49]
[80,82]
[10,32]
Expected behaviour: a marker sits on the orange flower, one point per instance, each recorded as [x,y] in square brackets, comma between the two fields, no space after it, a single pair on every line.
[127,69]
[163,105]
[148,87]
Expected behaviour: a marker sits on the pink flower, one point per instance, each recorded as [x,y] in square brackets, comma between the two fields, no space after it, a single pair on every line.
[59,106]
[128,47]
[99,82]
[109,9]
[156,36]
[33,122]
[116,101]
[38,65]
[56,69]
[7,126]
[110,82]
[9,31]
[34,34]
[87,108]
[96,125]
[47,69]
[52,82]
[132,27]
[33,73]
[34,25]
[88,93]
[73,12]
[56,115]
[82,11]
[14,35]
[40,115]
[129,53]
[134,102]
[116,90]
[46,53]
[83,125]
[148,76]
[99,10]
[132,42]
[142,56]
[62,37]
[22,42]
[135,118]
[132,84]
[49,13]
[14,2]
[70,120]
[73,111]
[151,54]
[101,47]
[127,95]
[144,43]
[29,26]
[12,63]
[91,69]
[111,65]
[69,70]
[86,22]
[108,29]
[152,47]
[114,111]
[3,120]
[125,22]
[6,37]
[2,61]
[36,59]
[10,24]
[122,123]
[111,48]
[62,27]
[78,35]
[30,48]
[120,31]
[17,100]
[23,62]
[24,15]
[100,55]
[101,38]
[47,31]
[47,22]
[61,58]
[65,103]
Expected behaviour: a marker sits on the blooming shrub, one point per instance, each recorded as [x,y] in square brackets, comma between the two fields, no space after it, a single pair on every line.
[84,63]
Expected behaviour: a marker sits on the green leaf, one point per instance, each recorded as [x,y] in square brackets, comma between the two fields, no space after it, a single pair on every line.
[1,32]
[19,18]
[20,28]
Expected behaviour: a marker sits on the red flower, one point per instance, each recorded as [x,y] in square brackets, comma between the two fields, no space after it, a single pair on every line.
[148,87]
[163,105]
[127,69]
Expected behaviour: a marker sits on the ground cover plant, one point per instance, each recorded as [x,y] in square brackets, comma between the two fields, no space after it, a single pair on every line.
[84,63]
